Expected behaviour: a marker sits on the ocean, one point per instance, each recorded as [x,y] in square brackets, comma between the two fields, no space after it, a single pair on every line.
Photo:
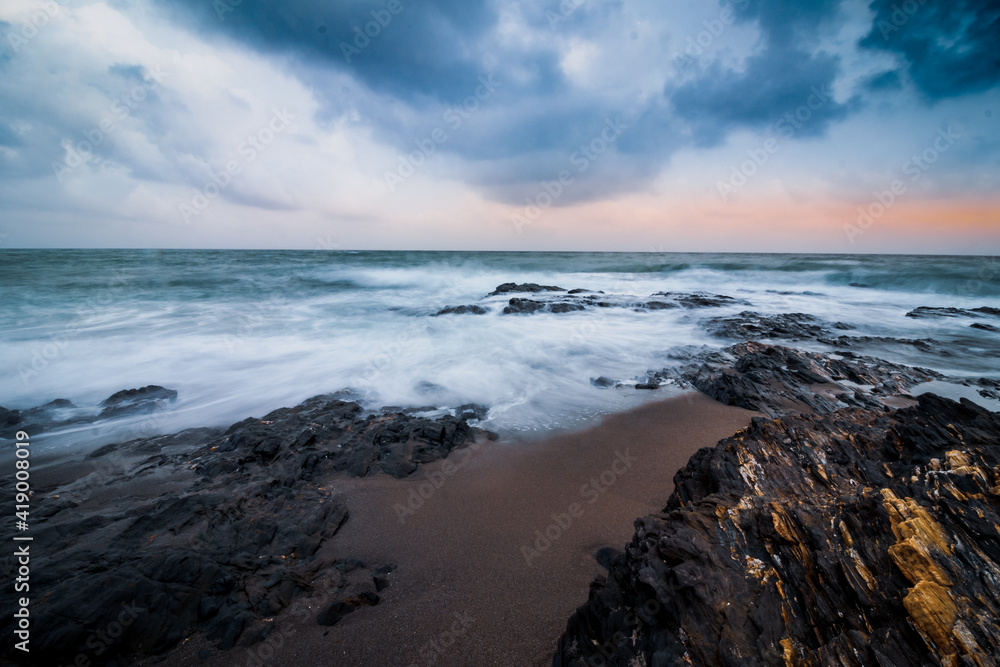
[239,333]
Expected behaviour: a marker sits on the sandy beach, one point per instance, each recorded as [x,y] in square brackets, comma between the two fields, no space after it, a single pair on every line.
[464,591]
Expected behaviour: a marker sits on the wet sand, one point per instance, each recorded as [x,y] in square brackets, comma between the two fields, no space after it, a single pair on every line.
[465,592]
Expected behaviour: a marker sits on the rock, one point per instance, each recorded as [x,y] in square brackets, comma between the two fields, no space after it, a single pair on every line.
[507,288]
[603,382]
[703,300]
[236,538]
[778,380]
[857,537]
[647,385]
[472,411]
[984,327]
[9,418]
[462,310]
[523,306]
[928,345]
[930,311]
[749,325]
[128,402]
[937,311]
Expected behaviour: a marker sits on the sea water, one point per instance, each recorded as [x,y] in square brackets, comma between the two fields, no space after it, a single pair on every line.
[239,333]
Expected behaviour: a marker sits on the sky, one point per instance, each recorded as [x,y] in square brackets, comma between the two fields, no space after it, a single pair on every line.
[636,125]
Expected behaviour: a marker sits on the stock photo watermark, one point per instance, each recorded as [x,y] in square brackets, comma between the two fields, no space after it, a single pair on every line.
[29,26]
[901,13]
[248,149]
[581,160]
[455,117]
[566,9]
[687,61]
[44,354]
[786,128]
[590,492]
[363,35]
[82,152]
[897,189]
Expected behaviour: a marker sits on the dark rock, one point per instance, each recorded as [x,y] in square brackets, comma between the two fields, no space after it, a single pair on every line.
[778,380]
[221,551]
[564,307]
[703,300]
[462,310]
[647,385]
[928,345]
[602,382]
[859,537]
[752,326]
[9,418]
[137,401]
[931,311]
[984,327]
[507,288]
[937,311]
[472,411]
[523,306]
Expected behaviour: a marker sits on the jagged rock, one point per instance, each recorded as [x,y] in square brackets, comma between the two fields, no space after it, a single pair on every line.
[137,401]
[778,380]
[703,300]
[984,327]
[928,345]
[234,539]
[859,537]
[936,311]
[507,288]
[462,310]
[749,325]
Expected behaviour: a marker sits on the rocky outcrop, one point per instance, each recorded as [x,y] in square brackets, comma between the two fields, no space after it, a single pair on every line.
[749,325]
[61,412]
[137,401]
[934,311]
[507,288]
[856,537]
[552,299]
[213,530]
[778,380]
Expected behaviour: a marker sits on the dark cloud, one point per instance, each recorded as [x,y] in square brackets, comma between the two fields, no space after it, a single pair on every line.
[416,50]
[888,80]
[781,78]
[757,98]
[949,47]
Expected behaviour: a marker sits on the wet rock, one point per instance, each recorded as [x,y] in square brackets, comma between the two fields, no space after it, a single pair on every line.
[937,311]
[472,411]
[857,537]
[523,306]
[507,288]
[778,380]
[703,300]
[462,310]
[137,401]
[602,382]
[749,325]
[235,538]
[927,345]
[984,327]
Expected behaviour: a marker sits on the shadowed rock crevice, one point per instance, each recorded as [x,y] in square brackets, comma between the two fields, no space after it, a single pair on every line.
[215,532]
[857,537]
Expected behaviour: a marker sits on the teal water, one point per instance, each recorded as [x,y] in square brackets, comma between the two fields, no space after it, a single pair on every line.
[242,332]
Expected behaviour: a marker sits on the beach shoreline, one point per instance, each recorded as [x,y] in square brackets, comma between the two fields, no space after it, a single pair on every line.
[463,591]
